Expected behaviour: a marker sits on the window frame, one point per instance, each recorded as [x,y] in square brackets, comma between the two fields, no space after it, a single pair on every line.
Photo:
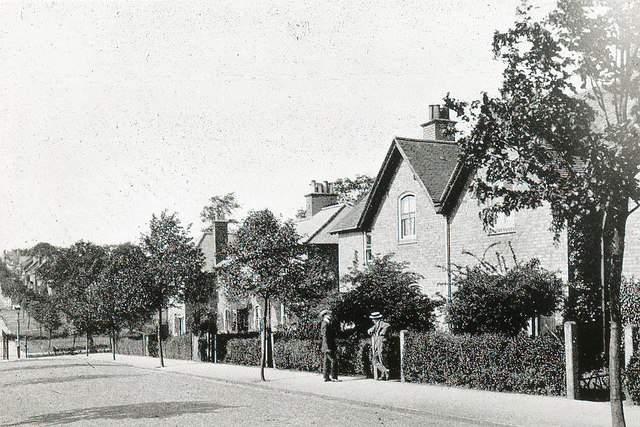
[410,215]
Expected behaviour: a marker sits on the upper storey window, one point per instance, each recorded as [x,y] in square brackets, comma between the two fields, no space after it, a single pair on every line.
[407,217]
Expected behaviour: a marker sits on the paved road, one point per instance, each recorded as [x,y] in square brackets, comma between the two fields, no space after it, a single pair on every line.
[75,390]
[80,391]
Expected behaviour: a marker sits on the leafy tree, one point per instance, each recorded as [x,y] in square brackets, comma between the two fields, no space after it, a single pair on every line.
[10,284]
[486,301]
[351,191]
[45,311]
[386,286]
[218,209]
[71,274]
[174,264]
[265,260]
[123,296]
[540,142]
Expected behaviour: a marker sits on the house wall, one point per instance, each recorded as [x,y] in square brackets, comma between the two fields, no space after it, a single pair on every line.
[425,255]
[631,263]
[531,238]
[348,245]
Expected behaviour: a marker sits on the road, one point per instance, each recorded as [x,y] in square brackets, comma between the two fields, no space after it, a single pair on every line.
[77,391]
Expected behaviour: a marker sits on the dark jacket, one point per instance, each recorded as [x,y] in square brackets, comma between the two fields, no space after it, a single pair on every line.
[328,335]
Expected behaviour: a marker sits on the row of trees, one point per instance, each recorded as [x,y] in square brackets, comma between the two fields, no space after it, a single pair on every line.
[104,289]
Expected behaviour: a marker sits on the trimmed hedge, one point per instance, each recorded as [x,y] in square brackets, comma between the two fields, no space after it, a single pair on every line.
[487,362]
[177,347]
[632,379]
[303,355]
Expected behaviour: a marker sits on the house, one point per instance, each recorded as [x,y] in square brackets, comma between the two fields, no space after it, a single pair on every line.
[420,208]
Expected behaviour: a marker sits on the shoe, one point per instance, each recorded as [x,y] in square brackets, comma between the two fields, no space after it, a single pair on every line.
[326,380]
[335,380]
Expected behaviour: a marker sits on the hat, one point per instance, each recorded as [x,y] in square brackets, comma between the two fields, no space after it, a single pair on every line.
[325,312]
[375,315]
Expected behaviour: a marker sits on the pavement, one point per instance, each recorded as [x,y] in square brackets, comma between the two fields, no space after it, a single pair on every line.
[483,407]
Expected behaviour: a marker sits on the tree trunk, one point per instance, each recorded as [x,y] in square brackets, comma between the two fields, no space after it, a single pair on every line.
[160,337]
[87,346]
[263,356]
[113,345]
[615,253]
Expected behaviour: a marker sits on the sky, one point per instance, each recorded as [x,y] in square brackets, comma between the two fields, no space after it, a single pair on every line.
[111,112]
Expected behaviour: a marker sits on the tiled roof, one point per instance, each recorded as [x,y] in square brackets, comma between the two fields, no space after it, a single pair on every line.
[433,161]
[350,218]
[315,230]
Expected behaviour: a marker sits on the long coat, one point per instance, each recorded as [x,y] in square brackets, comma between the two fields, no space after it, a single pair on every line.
[328,335]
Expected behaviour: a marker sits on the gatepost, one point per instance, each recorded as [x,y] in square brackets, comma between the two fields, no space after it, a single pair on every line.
[571,360]
[629,345]
[402,332]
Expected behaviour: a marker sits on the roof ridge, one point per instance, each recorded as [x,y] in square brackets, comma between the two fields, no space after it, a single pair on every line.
[431,141]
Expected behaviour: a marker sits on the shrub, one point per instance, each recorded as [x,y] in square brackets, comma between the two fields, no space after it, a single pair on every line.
[632,379]
[177,347]
[130,346]
[386,286]
[243,351]
[302,355]
[487,362]
[490,302]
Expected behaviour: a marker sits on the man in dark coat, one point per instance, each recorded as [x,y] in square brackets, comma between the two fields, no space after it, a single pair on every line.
[328,335]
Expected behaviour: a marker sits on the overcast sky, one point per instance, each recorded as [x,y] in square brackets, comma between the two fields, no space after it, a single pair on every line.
[113,111]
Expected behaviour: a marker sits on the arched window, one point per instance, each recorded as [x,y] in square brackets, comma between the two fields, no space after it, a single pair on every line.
[407,217]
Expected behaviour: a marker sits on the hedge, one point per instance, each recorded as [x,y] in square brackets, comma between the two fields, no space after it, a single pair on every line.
[177,347]
[303,355]
[632,379]
[487,362]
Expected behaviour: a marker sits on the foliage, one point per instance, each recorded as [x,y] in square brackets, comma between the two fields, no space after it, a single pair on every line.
[386,286]
[502,303]
[178,347]
[630,301]
[632,379]
[123,296]
[174,262]
[487,362]
[220,208]
[352,191]
[71,274]
[541,142]
[10,284]
[203,320]
[265,259]
[243,351]
[45,311]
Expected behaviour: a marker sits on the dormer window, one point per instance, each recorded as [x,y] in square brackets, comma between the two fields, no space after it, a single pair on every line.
[407,217]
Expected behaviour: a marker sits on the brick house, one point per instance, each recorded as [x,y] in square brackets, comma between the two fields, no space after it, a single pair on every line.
[420,208]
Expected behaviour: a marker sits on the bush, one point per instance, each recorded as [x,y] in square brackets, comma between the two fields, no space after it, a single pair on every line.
[243,351]
[386,286]
[487,362]
[490,302]
[302,355]
[632,379]
[130,346]
[177,347]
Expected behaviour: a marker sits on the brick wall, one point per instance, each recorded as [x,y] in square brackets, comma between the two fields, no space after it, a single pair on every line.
[348,244]
[531,239]
[426,256]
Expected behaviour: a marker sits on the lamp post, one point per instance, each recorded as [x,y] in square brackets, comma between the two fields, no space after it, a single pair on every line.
[17,309]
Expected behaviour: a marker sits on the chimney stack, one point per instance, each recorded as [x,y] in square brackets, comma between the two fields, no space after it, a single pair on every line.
[439,127]
[322,195]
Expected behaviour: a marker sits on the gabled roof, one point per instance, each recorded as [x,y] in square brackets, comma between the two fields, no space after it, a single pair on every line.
[349,220]
[315,230]
[435,164]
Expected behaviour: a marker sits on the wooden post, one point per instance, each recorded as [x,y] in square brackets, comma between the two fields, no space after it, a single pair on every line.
[402,332]
[571,360]
[628,343]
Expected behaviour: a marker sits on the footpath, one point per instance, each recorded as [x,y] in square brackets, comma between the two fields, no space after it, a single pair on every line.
[490,408]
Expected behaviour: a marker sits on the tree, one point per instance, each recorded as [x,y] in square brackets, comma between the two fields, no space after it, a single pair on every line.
[71,274]
[123,296]
[45,311]
[386,286]
[487,301]
[265,260]
[174,264]
[219,209]
[352,191]
[540,141]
